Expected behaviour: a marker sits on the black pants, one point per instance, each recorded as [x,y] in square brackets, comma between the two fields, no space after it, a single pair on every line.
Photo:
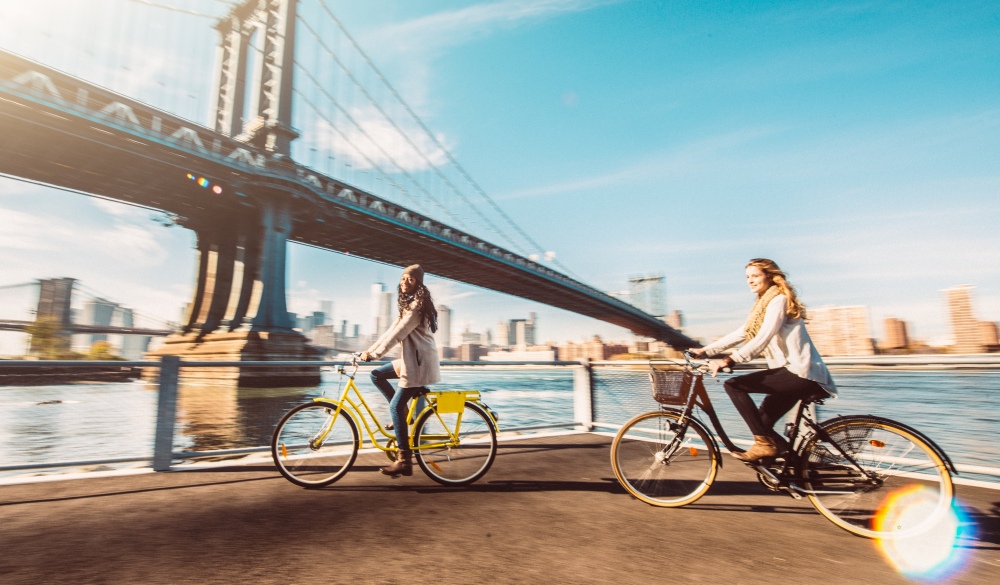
[783,390]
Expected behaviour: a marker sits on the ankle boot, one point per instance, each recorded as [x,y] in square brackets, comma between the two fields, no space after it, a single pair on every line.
[402,466]
[763,446]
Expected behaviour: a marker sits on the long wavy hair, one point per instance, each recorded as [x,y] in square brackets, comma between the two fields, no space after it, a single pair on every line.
[796,309]
[424,305]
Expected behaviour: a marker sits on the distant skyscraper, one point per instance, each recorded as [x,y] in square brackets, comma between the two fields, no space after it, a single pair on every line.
[133,346]
[649,293]
[841,330]
[381,308]
[675,320]
[964,326]
[524,332]
[327,308]
[895,334]
[988,334]
[99,311]
[387,312]
[443,336]
[503,334]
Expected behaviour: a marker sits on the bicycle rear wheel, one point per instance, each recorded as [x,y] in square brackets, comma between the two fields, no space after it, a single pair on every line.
[662,461]
[311,448]
[455,448]
[876,478]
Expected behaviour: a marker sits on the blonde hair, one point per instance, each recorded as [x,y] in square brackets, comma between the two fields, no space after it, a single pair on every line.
[796,309]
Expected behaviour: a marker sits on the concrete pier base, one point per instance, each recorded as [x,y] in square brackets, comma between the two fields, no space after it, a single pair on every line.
[242,346]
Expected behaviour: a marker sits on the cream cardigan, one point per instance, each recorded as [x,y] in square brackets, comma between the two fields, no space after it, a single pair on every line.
[419,365]
[784,342]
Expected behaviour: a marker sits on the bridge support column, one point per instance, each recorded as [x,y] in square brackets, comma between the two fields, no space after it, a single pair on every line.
[53,312]
[239,310]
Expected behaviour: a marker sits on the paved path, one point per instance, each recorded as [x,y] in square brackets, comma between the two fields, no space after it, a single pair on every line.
[549,511]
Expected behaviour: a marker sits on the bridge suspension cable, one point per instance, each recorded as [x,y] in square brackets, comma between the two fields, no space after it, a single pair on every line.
[179,9]
[365,133]
[434,139]
[396,126]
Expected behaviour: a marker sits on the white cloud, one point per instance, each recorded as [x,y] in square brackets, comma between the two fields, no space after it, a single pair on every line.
[432,33]
[372,141]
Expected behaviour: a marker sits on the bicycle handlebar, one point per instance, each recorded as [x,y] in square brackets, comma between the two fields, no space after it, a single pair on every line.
[700,365]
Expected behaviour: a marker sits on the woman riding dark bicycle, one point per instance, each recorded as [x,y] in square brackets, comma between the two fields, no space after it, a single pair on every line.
[776,328]
[418,367]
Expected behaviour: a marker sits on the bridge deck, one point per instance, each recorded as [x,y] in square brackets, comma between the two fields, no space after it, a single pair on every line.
[549,511]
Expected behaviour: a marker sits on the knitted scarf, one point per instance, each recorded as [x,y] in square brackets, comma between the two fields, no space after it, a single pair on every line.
[756,318]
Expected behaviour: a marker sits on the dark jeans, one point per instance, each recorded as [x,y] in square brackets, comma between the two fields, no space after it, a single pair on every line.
[783,390]
[398,399]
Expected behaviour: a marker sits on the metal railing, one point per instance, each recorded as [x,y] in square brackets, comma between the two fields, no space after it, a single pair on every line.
[604,395]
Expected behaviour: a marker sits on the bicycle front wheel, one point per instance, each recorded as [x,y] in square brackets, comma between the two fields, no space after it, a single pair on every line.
[876,478]
[311,447]
[455,448]
[662,461]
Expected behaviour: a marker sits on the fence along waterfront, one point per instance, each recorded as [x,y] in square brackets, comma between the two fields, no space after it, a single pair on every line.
[598,397]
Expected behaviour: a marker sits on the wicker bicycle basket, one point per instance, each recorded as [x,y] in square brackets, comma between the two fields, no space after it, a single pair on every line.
[671,386]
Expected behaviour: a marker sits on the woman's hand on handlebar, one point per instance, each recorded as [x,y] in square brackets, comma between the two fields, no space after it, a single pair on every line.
[697,352]
[715,366]
[365,356]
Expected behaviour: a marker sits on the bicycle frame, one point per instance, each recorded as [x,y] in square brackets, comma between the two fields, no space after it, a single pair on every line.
[803,429]
[439,402]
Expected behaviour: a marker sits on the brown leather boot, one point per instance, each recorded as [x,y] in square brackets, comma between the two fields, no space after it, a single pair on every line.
[763,446]
[402,466]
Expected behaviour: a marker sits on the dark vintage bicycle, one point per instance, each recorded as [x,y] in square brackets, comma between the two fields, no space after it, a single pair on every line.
[851,468]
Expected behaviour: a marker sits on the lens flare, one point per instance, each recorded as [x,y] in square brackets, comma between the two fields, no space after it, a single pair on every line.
[203,181]
[217,190]
[929,554]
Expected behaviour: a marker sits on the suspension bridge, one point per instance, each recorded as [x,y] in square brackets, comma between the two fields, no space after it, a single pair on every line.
[305,141]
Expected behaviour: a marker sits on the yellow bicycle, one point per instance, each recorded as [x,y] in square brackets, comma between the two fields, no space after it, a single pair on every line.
[454,437]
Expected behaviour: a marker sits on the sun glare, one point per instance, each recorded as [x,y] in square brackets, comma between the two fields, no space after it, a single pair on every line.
[931,554]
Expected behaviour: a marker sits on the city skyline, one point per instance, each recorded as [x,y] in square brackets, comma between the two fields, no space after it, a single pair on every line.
[850,142]
[847,328]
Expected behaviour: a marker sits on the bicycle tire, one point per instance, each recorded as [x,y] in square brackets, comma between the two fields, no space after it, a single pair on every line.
[660,463]
[304,457]
[454,462]
[908,488]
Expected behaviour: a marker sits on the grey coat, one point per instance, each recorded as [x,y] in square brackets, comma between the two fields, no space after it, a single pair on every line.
[419,365]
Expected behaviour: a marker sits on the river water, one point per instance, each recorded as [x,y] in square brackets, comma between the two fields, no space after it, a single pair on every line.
[960,410]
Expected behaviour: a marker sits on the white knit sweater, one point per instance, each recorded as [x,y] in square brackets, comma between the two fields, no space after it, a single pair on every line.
[784,342]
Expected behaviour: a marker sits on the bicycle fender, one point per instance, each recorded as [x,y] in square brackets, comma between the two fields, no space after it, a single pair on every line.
[714,446]
[934,446]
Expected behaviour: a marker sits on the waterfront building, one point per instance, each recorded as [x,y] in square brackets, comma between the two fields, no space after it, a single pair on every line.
[988,335]
[503,338]
[841,330]
[896,336]
[470,352]
[98,311]
[534,353]
[382,308]
[443,336]
[132,346]
[964,327]
[595,350]
[469,336]
[675,319]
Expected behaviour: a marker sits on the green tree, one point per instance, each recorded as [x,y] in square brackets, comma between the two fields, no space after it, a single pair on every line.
[101,350]
[47,339]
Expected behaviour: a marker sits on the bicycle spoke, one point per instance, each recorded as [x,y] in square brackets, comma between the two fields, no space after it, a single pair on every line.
[657,466]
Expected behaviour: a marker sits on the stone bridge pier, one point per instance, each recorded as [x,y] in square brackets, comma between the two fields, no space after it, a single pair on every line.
[239,311]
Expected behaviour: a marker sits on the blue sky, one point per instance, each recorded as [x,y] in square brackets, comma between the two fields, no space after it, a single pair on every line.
[855,143]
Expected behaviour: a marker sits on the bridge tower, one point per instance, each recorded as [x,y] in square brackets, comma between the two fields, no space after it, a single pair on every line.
[239,311]
[54,298]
